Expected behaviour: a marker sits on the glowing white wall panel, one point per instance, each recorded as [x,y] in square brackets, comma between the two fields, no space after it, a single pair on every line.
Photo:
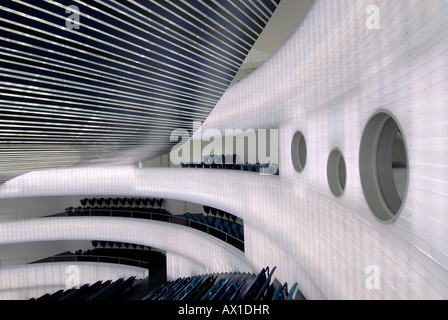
[207,253]
[34,280]
[326,81]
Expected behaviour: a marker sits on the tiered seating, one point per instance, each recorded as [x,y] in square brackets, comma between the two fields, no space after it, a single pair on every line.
[219,287]
[143,208]
[199,221]
[228,161]
[100,290]
[282,292]
[133,255]
[224,287]
[118,203]
[225,229]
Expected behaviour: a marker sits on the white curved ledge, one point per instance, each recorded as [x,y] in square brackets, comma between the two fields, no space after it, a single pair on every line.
[217,188]
[199,253]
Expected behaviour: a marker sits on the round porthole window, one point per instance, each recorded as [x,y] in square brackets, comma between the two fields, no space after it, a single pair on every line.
[298,151]
[383,166]
[336,172]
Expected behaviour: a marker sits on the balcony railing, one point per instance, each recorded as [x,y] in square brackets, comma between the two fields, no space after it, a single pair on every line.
[175,219]
[94,258]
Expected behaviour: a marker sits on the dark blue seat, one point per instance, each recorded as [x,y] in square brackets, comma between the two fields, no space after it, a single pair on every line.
[221,290]
[173,290]
[225,287]
[111,285]
[282,293]
[156,295]
[238,291]
[226,226]
[205,286]
[241,231]
[227,293]
[210,220]
[291,291]
[265,285]
[73,292]
[279,292]
[203,219]
[253,290]
[218,224]
[190,287]
[214,289]
[235,232]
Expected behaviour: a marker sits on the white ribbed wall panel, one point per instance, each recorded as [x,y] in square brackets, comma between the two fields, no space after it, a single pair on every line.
[326,81]
[34,280]
[205,253]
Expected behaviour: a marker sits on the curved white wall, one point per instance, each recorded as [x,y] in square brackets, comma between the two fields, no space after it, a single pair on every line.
[34,280]
[326,81]
[197,253]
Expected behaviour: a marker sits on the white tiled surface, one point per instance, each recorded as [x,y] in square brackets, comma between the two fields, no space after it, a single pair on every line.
[200,253]
[326,81]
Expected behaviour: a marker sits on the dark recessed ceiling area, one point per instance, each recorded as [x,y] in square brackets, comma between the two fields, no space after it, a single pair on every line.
[111,88]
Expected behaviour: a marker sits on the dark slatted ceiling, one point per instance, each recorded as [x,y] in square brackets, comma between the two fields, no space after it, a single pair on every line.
[112,91]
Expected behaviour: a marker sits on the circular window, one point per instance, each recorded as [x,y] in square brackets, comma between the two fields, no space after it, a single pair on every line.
[336,172]
[298,151]
[383,166]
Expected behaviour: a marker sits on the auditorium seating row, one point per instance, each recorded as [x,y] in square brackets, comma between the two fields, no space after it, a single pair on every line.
[238,286]
[142,258]
[134,212]
[95,203]
[112,244]
[215,226]
[219,212]
[259,168]
[100,290]
[225,287]
[229,162]
[226,226]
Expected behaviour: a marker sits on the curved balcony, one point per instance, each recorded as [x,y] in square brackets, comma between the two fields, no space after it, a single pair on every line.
[216,230]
